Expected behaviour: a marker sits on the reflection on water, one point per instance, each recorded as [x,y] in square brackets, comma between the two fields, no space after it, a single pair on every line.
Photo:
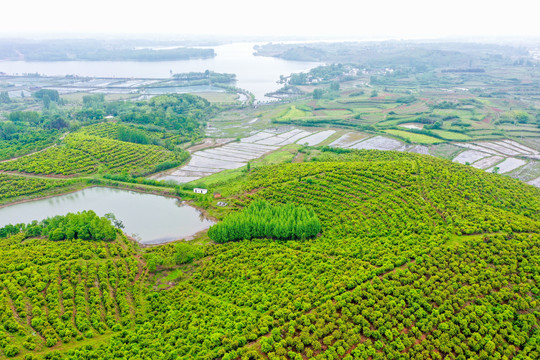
[153,218]
[258,74]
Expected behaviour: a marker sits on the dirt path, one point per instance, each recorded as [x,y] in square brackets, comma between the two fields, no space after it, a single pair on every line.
[140,264]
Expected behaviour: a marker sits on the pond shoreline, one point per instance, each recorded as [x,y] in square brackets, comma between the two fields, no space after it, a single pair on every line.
[22,201]
[150,217]
[164,193]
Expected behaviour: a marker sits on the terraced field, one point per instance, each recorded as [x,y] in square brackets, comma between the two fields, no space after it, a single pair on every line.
[502,156]
[237,154]
[413,137]
[379,143]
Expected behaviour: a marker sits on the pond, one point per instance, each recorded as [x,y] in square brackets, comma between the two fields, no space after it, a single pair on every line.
[151,219]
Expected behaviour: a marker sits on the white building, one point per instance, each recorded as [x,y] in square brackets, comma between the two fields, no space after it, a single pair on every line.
[200,191]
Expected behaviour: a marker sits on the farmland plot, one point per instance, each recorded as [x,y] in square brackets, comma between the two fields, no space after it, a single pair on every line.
[469,156]
[348,140]
[296,137]
[535,182]
[505,150]
[519,147]
[419,149]
[528,172]
[478,148]
[235,155]
[284,138]
[414,137]
[416,126]
[316,138]
[491,155]
[487,162]
[257,137]
[502,147]
[507,165]
[380,143]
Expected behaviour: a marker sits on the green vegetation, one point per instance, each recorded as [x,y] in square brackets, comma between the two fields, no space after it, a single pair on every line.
[145,142]
[173,115]
[393,273]
[125,157]
[450,135]
[27,131]
[137,134]
[56,160]
[60,294]
[85,225]
[85,154]
[388,255]
[207,77]
[414,137]
[325,74]
[405,55]
[182,113]
[292,112]
[24,143]
[12,187]
[97,50]
[263,220]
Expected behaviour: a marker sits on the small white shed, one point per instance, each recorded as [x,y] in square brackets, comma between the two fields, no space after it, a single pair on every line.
[200,191]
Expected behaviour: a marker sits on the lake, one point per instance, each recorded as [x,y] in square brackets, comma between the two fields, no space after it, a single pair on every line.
[151,219]
[257,74]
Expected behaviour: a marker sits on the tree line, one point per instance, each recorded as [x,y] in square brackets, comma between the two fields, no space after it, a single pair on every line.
[85,225]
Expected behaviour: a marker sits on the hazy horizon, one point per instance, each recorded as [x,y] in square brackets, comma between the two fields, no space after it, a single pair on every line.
[417,19]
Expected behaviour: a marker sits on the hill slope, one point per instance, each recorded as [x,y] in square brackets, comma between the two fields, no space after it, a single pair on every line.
[418,258]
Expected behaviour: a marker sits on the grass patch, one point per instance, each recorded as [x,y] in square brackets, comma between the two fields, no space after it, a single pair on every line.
[293,113]
[416,138]
[450,135]
[456,240]
[277,157]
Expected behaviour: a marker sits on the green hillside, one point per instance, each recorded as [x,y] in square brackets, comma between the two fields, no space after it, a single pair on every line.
[417,258]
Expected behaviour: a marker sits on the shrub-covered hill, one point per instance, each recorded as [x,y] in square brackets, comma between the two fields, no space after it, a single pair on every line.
[418,258]
[85,154]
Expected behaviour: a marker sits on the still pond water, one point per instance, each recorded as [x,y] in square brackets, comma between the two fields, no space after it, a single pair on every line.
[151,219]
[258,74]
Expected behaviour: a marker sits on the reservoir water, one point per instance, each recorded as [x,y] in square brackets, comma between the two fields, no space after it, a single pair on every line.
[258,74]
[151,219]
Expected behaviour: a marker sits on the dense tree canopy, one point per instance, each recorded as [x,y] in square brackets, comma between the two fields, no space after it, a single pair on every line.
[263,220]
[85,225]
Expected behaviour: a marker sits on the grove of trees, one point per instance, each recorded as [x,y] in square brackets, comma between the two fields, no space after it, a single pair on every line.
[263,220]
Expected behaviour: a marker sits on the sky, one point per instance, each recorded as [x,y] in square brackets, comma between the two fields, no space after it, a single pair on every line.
[398,19]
